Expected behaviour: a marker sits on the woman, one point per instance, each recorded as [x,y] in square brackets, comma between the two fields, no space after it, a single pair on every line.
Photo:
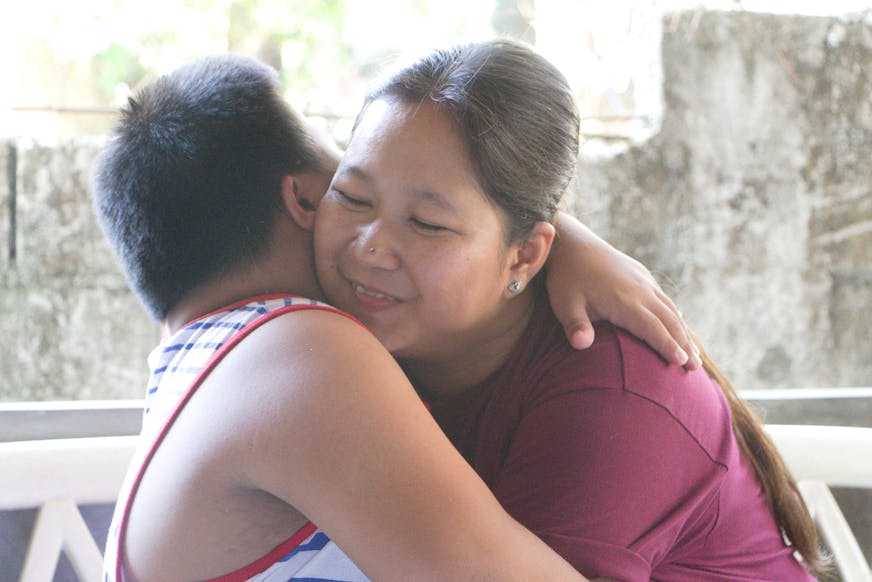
[435,227]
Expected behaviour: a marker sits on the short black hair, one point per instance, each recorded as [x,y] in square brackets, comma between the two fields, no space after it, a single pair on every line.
[189,186]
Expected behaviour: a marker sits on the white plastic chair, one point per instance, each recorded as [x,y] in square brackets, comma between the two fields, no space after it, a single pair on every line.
[56,476]
[825,456]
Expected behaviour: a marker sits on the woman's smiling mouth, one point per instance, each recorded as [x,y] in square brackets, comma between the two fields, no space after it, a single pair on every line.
[371,299]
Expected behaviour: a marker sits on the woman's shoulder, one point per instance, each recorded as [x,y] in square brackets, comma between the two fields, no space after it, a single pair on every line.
[617,360]
[620,370]
[691,398]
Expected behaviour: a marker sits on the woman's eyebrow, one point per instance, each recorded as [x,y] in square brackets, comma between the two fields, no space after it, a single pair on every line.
[428,196]
[354,171]
[435,199]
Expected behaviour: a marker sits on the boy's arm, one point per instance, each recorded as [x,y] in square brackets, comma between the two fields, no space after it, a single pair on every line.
[349,443]
[588,279]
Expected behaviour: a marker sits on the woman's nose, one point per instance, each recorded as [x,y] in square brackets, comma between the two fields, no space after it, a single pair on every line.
[374,247]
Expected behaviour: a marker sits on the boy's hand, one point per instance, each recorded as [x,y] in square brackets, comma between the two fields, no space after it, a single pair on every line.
[589,280]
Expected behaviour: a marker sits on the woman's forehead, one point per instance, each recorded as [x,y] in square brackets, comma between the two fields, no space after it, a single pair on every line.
[412,137]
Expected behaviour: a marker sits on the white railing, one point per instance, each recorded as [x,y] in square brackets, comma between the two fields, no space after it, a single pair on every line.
[57,475]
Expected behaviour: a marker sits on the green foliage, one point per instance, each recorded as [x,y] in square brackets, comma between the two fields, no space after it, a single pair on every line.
[325,56]
[114,65]
[305,35]
[303,38]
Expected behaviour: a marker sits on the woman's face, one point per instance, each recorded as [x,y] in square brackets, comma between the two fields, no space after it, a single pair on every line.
[406,240]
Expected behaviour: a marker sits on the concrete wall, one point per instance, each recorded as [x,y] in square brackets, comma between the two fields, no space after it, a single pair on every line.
[754,202]
[69,327]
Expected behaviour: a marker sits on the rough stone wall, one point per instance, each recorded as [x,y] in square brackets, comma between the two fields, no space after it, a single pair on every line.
[69,327]
[6,159]
[754,201]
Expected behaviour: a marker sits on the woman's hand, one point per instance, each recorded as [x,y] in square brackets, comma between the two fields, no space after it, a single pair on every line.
[589,280]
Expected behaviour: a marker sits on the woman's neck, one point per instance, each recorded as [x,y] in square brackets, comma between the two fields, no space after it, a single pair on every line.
[470,360]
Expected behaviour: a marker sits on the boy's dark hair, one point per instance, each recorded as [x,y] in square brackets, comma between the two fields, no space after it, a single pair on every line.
[188,188]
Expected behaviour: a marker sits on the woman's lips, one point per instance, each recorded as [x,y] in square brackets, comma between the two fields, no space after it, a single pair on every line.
[372,299]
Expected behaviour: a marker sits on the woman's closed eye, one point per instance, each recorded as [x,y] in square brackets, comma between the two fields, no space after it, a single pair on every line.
[427,227]
[351,201]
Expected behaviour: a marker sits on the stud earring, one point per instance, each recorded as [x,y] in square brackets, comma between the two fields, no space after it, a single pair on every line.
[514,287]
[371,250]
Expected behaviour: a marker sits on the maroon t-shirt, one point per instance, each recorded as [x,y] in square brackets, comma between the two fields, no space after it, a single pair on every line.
[625,465]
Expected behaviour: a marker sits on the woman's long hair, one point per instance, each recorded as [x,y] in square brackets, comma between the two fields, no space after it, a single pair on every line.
[779,486]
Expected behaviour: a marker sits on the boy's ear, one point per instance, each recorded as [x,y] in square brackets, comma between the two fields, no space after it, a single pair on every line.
[301,194]
[529,256]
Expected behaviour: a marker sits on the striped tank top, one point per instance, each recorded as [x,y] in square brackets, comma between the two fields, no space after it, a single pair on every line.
[178,366]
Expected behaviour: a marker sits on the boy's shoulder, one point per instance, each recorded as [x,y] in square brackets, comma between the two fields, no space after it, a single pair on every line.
[293,353]
[298,341]
[298,374]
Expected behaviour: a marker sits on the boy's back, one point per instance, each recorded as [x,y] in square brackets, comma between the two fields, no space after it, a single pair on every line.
[194,452]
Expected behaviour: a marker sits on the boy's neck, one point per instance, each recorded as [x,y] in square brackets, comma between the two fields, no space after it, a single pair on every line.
[290,270]
[215,296]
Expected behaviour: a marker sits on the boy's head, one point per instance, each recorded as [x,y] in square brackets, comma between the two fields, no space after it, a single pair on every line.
[189,187]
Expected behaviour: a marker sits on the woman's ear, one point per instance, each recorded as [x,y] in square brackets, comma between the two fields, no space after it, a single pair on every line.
[301,194]
[529,256]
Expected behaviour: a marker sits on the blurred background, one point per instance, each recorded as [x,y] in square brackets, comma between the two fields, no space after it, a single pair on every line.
[726,146]
[66,66]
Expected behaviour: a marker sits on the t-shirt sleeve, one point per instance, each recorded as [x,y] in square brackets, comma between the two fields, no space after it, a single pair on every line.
[607,478]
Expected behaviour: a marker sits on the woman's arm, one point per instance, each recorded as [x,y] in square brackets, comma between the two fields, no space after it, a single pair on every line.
[588,279]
